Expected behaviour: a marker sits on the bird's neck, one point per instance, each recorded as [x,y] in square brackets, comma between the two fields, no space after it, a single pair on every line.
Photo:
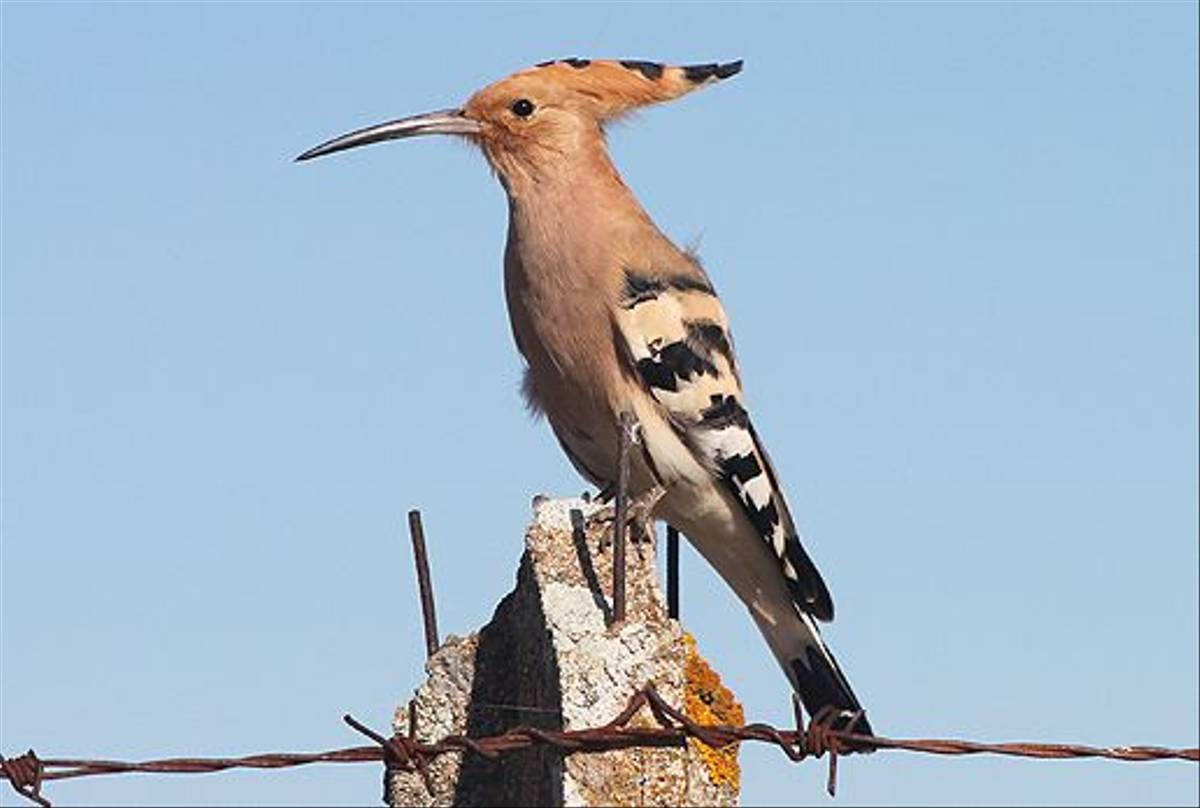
[571,179]
[575,213]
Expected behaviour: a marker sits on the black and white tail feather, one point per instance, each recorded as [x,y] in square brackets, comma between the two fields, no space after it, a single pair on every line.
[676,340]
[807,661]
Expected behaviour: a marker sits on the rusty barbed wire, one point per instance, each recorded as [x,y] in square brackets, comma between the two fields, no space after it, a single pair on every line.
[28,772]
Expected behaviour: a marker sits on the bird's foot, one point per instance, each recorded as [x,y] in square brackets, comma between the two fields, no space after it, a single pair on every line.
[637,516]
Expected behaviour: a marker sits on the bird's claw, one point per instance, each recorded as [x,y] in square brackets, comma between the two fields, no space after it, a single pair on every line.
[638,516]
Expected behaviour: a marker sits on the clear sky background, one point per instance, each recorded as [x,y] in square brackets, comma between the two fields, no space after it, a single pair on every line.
[958,243]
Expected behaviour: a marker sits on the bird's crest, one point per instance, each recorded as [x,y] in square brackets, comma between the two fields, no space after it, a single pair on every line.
[613,87]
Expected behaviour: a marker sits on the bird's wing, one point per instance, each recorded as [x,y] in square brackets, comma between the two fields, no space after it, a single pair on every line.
[676,340]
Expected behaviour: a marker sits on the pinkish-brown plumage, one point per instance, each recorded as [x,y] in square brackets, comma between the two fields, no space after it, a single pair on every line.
[611,316]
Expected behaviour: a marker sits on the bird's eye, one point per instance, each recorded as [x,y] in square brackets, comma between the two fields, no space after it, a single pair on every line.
[522,107]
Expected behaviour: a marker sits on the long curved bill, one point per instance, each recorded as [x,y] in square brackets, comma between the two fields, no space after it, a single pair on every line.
[442,122]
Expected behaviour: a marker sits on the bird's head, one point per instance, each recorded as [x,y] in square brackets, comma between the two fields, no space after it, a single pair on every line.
[546,115]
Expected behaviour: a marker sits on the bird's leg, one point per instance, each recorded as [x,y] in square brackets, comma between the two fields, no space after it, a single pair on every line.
[641,522]
[637,515]
[638,510]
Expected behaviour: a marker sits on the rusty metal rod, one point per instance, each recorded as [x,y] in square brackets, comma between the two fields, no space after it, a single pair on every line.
[672,573]
[621,506]
[424,583]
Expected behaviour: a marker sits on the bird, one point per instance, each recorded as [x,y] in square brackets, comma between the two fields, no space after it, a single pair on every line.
[611,317]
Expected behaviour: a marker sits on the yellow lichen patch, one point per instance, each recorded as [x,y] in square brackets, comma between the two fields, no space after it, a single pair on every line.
[707,701]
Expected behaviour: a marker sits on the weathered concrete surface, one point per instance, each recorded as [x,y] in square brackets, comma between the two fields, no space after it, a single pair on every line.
[550,658]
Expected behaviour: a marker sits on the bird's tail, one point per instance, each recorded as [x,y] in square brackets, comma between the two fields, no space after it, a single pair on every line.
[814,673]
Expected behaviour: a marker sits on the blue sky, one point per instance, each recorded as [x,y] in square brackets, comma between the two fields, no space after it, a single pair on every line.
[958,244]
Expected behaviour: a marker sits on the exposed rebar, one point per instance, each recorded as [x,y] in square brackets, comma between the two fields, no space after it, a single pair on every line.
[672,573]
[621,508]
[424,582]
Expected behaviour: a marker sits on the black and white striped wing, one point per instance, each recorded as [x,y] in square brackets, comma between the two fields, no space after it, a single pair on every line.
[677,340]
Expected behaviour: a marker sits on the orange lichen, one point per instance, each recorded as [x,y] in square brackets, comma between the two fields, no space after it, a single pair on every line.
[707,701]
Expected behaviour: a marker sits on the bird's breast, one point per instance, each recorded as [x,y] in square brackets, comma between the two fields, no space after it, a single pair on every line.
[560,313]
[561,323]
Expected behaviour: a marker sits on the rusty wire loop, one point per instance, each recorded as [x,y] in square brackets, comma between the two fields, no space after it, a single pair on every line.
[404,753]
[24,773]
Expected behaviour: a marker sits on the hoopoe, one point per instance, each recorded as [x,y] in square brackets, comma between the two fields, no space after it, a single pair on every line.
[610,316]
